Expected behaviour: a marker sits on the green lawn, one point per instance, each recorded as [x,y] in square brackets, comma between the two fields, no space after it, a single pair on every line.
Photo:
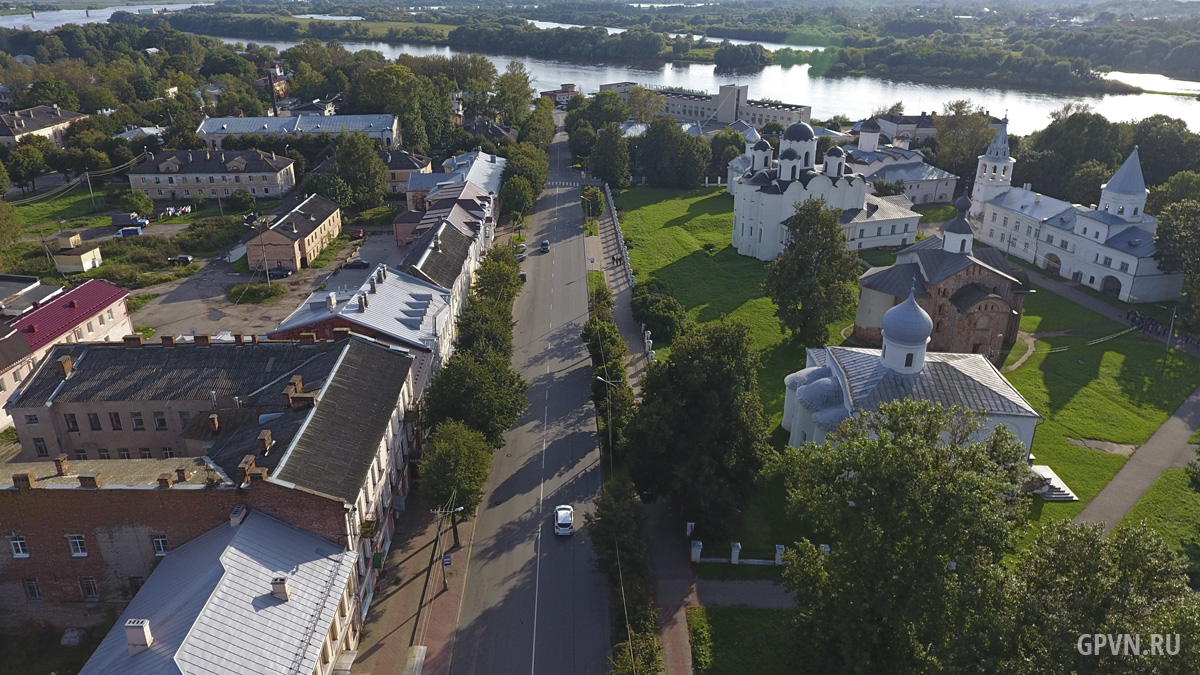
[595,280]
[727,571]
[737,640]
[136,302]
[935,213]
[879,257]
[1195,437]
[1172,507]
[75,207]
[1117,389]
[331,251]
[380,216]
[255,293]
[375,29]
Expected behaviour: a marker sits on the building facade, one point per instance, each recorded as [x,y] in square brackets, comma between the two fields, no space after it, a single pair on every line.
[1109,247]
[923,182]
[293,240]
[75,256]
[385,129]
[731,103]
[47,121]
[182,174]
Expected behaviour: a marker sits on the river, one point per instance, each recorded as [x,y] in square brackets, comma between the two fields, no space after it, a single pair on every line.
[854,97]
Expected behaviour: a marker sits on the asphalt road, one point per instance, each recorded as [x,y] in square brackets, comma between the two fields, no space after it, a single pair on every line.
[533,601]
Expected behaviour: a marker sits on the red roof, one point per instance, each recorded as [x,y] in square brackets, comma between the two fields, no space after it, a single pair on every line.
[60,315]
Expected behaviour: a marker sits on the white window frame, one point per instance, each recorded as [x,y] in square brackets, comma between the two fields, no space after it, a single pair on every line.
[77,544]
[161,547]
[18,546]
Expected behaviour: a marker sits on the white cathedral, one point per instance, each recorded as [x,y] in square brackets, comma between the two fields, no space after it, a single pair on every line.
[1108,246]
[766,191]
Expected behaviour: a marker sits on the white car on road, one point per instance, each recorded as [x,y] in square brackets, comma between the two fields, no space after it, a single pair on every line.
[564,520]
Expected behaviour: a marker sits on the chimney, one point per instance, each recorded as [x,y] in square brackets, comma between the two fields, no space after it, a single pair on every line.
[308,339]
[64,364]
[303,401]
[133,341]
[331,301]
[244,468]
[137,635]
[280,588]
[202,341]
[379,275]
[72,304]
[23,480]
[374,288]
[362,303]
[214,424]
[237,515]
[297,382]
[60,464]
[257,474]
[165,480]
[264,441]
[253,339]
[89,479]
[183,474]
[238,339]
[288,392]
[341,333]
[382,272]
[168,341]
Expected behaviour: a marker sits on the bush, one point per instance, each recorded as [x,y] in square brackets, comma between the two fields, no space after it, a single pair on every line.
[654,306]
[136,202]
[209,236]
[252,293]
[242,202]
[701,639]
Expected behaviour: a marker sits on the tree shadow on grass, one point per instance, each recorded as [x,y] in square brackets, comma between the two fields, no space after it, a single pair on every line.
[717,285]
[715,205]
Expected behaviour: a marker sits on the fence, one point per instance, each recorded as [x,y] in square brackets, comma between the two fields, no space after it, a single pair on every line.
[612,207]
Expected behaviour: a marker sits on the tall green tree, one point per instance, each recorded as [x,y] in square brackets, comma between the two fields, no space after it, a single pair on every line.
[516,196]
[581,139]
[484,393]
[727,139]
[609,160]
[4,178]
[645,104]
[962,133]
[1177,241]
[26,164]
[1083,185]
[455,468]
[888,188]
[539,127]
[10,224]
[51,92]
[526,159]
[1181,186]
[330,187]
[513,94]
[812,281]
[136,202]
[918,511]
[485,328]
[358,164]
[498,276]
[606,107]
[699,436]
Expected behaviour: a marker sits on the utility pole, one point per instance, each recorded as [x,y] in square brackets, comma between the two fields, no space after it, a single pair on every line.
[91,195]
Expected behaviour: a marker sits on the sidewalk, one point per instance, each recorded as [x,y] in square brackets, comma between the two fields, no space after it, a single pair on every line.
[410,606]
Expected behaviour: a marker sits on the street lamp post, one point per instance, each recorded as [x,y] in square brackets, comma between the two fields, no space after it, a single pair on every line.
[442,513]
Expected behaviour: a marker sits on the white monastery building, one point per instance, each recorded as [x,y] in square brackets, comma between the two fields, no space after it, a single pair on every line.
[1108,247]
[766,191]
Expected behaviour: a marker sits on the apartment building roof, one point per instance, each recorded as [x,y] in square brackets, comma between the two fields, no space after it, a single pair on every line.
[19,294]
[402,160]
[117,474]
[305,217]
[211,608]
[32,119]
[214,161]
[301,124]
[438,255]
[60,314]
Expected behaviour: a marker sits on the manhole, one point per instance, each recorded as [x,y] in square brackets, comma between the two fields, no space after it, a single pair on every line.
[509,454]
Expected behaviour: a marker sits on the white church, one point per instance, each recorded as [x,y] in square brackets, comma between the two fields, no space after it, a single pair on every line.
[1108,246]
[840,382]
[766,190]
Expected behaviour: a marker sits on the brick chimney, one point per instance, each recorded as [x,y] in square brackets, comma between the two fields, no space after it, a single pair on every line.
[137,635]
[258,474]
[90,479]
[308,339]
[280,588]
[239,339]
[133,341]
[244,468]
[65,362]
[60,464]
[303,401]
[264,441]
[288,391]
[168,341]
[298,382]
[183,474]
[202,341]
[165,480]
[214,424]
[341,333]
[23,480]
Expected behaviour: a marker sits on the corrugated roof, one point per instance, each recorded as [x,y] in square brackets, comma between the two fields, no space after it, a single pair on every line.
[439,255]
[312,124]
[896,280]
[31,119]
[61,314]
[878,209]
[305,217]
[911,173]
[213,161]
[211,611]
[970,295]
[1032,204]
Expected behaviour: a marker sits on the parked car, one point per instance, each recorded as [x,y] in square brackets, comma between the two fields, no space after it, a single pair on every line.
[182,259]
[521,257]
[131,231]
[564,520]
[129,219]
[521,248]
[358,234]
[545,246]
[358,264]
[524,278]
[278,273]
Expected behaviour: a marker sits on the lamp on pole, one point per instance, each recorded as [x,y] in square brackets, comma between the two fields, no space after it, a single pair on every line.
[587,213]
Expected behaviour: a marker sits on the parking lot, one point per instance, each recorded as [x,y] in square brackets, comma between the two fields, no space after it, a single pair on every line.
[198,304]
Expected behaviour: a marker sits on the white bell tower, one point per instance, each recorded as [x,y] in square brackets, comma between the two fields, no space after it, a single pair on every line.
[993,174]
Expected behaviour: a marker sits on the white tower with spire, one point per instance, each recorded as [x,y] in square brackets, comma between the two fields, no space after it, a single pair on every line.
[993,175]
[1125,195]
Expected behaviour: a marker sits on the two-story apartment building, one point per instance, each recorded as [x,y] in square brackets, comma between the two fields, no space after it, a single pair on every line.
[291,241]
[309,432]
[385,129]
[49,121]
[183,174]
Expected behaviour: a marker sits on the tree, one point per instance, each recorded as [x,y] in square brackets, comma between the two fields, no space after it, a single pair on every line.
[137,202]
[485,328]
[516,196]
[918,508]
[699,433]
[526,159]
[722,142]
[888,188]
[498,277]
[644,104]
[455,468]
[1177,240]
[4,179]
[772,128]
[484,393]
[539,128]
[1083,185]
[51,92]
[358,164]
[1181,186]
[241,201]
[10,224]
[609,160]
[812,282]
[582,139]
[592,200]
[330,187]
[962,133]
[26,164]
[513,94]
[896,108]
[605,107]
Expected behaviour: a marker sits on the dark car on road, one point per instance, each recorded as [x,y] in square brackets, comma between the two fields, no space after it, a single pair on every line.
[545,246]
[359,264]
[182,259]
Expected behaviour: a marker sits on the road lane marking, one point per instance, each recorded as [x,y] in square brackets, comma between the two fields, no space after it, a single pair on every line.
[537,576]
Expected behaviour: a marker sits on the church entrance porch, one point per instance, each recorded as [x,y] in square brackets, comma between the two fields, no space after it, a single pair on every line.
[1053,263]
[1111,285]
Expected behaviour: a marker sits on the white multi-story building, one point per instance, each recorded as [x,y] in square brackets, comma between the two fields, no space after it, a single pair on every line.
[1108,247]
[731,103]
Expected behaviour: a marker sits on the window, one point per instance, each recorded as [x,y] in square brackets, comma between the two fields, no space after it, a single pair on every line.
[1029,230]
[160,545]
[266,191]
[77,546]
[993,216]
[1062,243]
[104,454]
[90,328]
[31,419]
[908,360]
[168,452]
[1135,210]
[39,444]
[1006,221]
[94,421]
[101,318]
[1085,230]
[184,417]
[1026,246]
[123,453]
[110,314]
[862,232]
[135,584]
[114,420]
[138,424]
[160,421]
[1120,210]
[78,334]
[1001,238]
[32,592]
[893,229]
[160,193]
[1124,267]
[88,586]
[991,232]
[879,231]
[143,180]
[1049,239]
[19,548]
[144,453]
[81,454]
[1107,261]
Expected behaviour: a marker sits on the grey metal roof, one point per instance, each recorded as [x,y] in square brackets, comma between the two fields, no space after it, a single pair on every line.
[25,121]
[213,161]
[1128,179]
[880,209]
[1132,241]
[210,608]
[911,173]
[305,217]
[883,154]
[438,256]
[998,148]
[895,280]
[907,323]
[311,124]
[968,380]
[1030,203]
[407,309]
[970,295]
[477,167]
[337,446]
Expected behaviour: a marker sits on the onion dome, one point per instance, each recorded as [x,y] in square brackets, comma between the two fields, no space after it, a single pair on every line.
[835,151]
[799,131]
[907,323]
[762,144]
[789,153]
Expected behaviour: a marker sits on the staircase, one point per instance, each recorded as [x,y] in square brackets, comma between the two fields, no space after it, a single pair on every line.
[1056,490]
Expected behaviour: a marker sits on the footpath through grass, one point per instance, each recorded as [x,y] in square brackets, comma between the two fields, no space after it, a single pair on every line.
[738,640]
